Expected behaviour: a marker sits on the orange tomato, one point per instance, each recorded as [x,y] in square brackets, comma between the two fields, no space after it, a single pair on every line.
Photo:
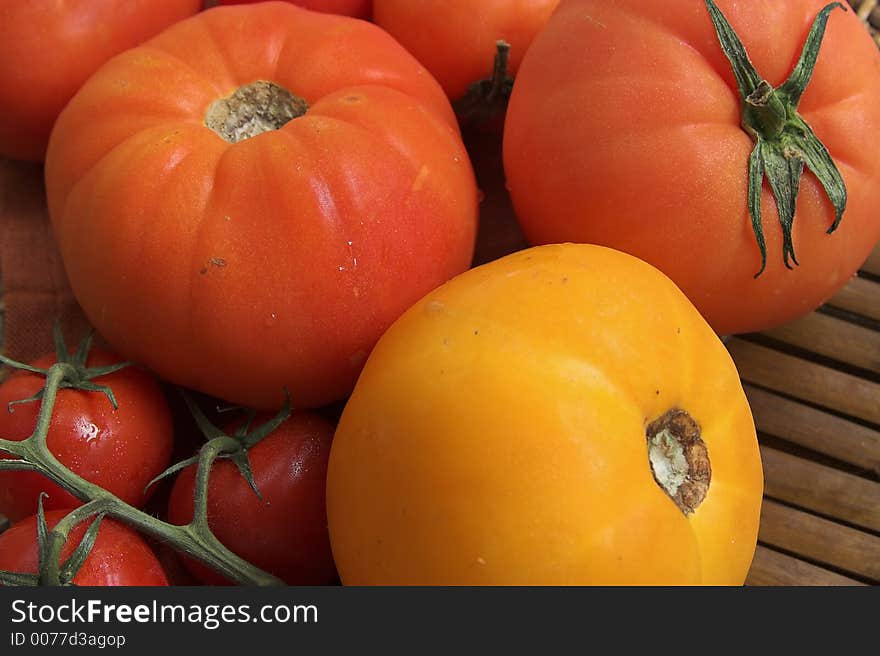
[238,261]
[48,49]
[624,129]
[516,424]
[455,39]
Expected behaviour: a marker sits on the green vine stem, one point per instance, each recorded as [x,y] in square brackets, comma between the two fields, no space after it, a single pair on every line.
[784,142]
[194,539]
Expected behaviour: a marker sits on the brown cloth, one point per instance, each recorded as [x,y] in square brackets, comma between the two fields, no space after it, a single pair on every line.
[34,292]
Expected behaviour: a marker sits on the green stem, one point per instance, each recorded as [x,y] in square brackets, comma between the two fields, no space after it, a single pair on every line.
[195,539]
[488,98]
[784,142]
[51,575]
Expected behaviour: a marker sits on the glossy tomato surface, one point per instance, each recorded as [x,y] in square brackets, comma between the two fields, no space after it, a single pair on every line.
[356,8]
[120,450]
[455,39]
[240,268]
[499,435]
[120,557]
[285,532]
[48,50]
[624,129]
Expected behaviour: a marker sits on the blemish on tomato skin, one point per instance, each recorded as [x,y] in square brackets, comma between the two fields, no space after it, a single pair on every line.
[419,182]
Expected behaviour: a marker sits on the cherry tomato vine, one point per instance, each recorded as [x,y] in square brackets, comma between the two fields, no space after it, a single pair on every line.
[194,539]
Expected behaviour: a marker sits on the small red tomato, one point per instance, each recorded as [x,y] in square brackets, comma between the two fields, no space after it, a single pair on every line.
[119,556]
[285,533]
[121,450]
[356,8]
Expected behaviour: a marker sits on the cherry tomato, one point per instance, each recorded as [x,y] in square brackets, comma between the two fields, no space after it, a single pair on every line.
[119,556]
[285,533]
[121,450]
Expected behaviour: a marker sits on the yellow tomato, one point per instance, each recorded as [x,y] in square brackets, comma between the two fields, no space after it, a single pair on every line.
[560,416]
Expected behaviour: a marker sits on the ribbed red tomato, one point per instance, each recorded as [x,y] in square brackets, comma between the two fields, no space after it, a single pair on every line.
[247,201]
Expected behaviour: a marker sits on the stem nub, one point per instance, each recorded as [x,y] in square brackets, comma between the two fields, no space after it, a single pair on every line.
[488,98]
[253,109]
[679,459]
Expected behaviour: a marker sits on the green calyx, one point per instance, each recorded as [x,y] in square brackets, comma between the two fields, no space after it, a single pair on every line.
[76,375]
[194,539]
[219,445]
[784,142]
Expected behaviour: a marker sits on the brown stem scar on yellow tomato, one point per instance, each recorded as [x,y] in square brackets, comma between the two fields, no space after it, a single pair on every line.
[679,459]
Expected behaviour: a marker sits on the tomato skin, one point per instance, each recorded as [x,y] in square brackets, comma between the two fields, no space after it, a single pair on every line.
[285,533]
[356,8]
[119,557]
[659,167]
[119,450]
[308,241]
[48,49]
[497,435]
[455,39]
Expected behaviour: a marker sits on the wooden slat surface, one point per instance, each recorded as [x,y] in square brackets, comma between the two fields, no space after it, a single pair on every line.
[833,338]
[822,489]
[770,567]
[807,380]
[872,264]
[814,429]
[820,540]
[860,296]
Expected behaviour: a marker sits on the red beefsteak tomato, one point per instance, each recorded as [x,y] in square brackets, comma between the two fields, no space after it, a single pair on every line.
[48,49]
[625,129]
[247,201]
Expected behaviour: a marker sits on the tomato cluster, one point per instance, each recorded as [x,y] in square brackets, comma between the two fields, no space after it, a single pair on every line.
[277,198]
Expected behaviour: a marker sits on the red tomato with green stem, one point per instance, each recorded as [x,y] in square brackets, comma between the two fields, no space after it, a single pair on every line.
[118,449]
[119,557]
[48,49]
[626,129]
[285,531]
[356,8]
